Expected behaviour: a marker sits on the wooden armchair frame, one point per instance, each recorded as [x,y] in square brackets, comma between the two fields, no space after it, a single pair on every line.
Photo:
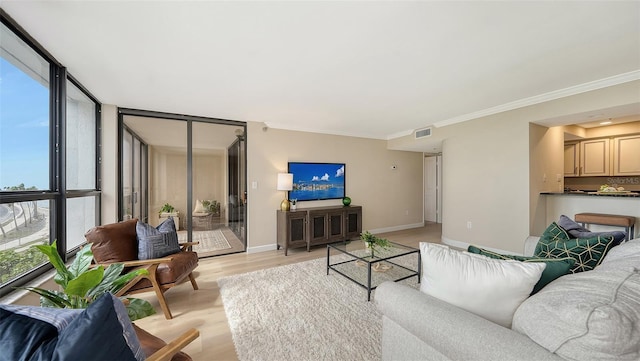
[169,350]
[151,265]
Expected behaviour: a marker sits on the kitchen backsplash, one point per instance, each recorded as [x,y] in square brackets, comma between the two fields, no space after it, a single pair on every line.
[594,183]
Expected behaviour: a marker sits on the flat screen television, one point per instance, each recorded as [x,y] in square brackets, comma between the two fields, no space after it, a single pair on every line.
[317,181]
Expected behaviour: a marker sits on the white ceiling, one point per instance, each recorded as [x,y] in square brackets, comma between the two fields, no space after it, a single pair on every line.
[371,69]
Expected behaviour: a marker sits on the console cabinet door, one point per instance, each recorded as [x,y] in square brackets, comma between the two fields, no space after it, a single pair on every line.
[292,230]
[336,226]
[297,229]
[353,222]
[626,155]
[318,227]
[594,157]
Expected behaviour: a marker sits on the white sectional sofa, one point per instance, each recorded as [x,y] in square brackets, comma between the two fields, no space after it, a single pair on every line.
[593,315]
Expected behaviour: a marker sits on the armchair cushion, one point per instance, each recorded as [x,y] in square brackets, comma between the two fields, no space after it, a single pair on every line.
[157,242]
[181,264]
[115,242]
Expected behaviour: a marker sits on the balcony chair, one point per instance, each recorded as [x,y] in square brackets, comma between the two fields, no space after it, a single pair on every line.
[117,243]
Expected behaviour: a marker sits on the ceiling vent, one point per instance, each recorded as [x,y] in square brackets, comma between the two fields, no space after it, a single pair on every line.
[422,133]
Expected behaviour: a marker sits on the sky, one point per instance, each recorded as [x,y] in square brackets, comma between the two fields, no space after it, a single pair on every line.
[24,129]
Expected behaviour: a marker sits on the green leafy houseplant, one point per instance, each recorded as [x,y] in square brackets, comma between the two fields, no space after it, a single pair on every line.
[167,208]
[82,284]
[372,242]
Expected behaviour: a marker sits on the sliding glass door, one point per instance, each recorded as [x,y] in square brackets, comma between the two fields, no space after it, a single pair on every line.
[192,166]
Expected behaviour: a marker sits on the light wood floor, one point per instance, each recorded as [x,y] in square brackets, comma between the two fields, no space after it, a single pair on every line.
[203,309]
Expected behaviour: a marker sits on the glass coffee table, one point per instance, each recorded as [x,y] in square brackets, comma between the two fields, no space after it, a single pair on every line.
[353,261]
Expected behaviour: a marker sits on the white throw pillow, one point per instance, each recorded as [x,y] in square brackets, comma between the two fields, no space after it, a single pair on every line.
[490,288]
[199,207]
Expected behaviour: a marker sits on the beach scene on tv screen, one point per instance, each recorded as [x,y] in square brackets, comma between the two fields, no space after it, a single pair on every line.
[316,181]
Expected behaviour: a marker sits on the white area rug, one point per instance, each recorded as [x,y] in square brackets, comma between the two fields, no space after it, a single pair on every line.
[209,240]
[297,312]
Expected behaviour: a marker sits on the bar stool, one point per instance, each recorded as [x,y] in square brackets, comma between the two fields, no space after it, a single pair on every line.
[628,222]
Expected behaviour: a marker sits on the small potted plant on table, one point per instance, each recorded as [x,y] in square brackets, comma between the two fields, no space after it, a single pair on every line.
[372,243]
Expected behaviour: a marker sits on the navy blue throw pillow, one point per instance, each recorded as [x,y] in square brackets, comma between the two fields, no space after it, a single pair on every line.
[96,334]
[575,230]
[157,242]
[25,338]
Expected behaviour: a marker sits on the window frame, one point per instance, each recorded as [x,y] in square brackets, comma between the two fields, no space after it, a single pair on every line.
[56,194]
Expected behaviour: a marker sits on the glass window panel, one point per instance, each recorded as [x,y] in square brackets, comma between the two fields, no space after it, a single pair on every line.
[127,210]
[136,179]
[23,225]
[210,143]
[24,115]
[81,216]
[81,139]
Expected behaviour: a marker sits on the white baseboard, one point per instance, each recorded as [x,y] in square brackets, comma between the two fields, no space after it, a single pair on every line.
[395,228]
[465,245]
[265,248]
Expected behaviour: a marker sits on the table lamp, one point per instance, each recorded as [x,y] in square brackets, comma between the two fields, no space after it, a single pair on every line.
[285,183]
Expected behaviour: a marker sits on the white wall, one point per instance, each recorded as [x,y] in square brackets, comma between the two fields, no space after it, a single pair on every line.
[546,163]
[493,167]
[391,199]
[486,182]
[168,180]
[109,164]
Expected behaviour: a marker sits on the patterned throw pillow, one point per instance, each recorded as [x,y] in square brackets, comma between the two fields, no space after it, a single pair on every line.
[588,252]
[556,267]
[157,242]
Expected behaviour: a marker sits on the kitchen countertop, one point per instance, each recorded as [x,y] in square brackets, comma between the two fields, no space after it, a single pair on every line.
[593,194]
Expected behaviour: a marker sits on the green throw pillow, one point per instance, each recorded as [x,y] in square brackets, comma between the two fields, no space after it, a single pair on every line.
[556,267]
[588,252]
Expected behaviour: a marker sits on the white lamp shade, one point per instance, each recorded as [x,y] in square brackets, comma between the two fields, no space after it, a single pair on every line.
[285,181]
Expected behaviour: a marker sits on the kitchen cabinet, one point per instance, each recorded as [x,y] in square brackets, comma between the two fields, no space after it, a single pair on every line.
[614,156]
[594,158]
[626,155]
[571,159]
[587,158]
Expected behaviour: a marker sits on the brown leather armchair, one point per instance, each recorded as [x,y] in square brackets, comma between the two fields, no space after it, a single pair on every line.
[117,243]
[155,349]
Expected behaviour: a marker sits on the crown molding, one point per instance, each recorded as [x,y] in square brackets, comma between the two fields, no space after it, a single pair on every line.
[322,131]
[556,94]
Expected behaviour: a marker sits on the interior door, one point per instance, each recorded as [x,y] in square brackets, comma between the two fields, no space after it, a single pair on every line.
[433,188]
[430,189]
